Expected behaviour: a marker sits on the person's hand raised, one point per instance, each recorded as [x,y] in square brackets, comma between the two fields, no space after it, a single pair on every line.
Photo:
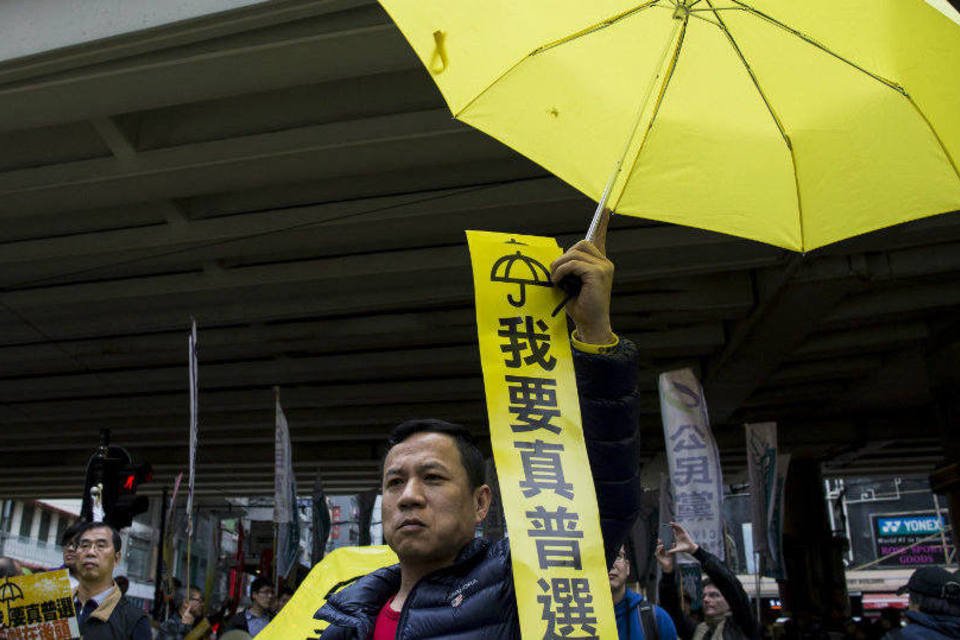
[665,559]
[682,542]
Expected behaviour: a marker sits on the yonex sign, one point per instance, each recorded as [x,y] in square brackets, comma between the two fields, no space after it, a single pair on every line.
[908,525]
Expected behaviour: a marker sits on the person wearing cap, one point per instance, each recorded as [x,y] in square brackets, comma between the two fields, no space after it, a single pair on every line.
[934,606]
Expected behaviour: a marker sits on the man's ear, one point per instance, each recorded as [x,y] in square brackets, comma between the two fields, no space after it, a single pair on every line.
[482,497]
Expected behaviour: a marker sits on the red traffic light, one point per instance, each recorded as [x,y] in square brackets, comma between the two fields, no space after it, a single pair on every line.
[128,483]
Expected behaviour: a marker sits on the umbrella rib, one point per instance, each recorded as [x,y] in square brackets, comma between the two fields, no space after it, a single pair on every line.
[660,95]
[603,24]
[771,111]
[550,45]
[890,83]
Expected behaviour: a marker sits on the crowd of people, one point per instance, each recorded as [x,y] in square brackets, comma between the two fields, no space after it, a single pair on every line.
[434,497]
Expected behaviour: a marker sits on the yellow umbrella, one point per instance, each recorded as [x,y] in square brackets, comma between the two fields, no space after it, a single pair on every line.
[793,122]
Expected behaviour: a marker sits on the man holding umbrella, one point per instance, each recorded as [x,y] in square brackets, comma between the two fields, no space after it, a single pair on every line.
[449,583]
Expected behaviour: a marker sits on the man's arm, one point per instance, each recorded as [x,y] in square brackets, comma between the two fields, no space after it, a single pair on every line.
[607,384]
[724,579]
[669,593]
[728,584]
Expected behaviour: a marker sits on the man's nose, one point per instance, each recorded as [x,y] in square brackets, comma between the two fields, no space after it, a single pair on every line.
[412,494]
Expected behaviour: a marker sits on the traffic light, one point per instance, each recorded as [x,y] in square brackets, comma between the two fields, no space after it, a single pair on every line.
[110,488]
[126,502]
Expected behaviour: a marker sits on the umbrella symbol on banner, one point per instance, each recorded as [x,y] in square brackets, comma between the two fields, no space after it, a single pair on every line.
[10,591]
[520,270]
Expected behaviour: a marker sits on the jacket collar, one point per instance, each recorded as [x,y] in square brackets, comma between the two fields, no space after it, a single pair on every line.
[107,605]
[358,605]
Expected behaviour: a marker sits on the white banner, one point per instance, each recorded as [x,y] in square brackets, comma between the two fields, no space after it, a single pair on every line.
[194,410]
[762,474]
[692,458]
[285,513]
[777,568]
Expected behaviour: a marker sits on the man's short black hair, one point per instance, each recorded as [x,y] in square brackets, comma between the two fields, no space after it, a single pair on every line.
[9,567]
[70,533]
[470,455]
[114,534]
[259,583]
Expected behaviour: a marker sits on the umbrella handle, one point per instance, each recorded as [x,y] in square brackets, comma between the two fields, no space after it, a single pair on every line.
[597,234]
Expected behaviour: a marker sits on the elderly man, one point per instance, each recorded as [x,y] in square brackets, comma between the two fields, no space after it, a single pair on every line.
[434,495]
[103,612]
[934,606]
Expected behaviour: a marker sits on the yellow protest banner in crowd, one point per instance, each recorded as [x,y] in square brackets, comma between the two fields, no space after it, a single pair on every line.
[338,569]
[559,567]
[38,607]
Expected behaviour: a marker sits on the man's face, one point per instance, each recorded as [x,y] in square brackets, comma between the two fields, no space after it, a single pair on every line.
[714,604]
[70,553]
[196,603]
[619,572]
[96,556]
[263,597]
[429,510]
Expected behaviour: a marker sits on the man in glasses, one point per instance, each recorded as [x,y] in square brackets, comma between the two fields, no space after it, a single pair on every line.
[103,612]
[254,618]
[68,542]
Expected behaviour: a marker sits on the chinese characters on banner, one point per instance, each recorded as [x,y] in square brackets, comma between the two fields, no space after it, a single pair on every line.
[548,495]
[38,607]
[762,472]
[767,471]
[692,459]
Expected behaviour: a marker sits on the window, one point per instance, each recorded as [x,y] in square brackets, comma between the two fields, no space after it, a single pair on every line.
[44,531]
[26,521]
[138,558]
[62,523]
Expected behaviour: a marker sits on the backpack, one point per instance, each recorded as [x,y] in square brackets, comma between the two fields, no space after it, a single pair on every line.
[647,621]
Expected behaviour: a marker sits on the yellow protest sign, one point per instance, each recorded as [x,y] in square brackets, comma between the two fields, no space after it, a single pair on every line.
[338,568]
[559,567]
[38,607]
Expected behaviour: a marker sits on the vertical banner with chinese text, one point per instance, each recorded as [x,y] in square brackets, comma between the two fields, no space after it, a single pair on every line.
[692,458]
[549,502]
[38,606]
[762,473]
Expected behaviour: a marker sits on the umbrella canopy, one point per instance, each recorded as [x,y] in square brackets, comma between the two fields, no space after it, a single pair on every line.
[793,123]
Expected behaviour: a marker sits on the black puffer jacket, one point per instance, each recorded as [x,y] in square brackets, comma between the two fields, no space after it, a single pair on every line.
[481,574]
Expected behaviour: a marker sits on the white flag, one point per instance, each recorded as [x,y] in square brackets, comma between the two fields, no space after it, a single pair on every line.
[194,408]
[285,512]
[692,458]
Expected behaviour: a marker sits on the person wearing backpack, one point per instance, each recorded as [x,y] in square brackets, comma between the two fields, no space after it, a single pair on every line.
[637,618]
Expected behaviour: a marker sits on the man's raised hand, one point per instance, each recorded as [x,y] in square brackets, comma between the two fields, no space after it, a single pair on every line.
[590,309]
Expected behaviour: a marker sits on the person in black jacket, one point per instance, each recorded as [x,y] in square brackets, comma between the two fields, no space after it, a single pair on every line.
[102,611]
[726,606]
[450,584]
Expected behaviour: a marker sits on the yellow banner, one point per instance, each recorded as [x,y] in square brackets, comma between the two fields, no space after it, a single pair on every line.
[38,607]
[549,502]
[338,569]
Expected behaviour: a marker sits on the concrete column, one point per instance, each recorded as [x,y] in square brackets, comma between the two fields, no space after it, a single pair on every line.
[815,591]
[15,520]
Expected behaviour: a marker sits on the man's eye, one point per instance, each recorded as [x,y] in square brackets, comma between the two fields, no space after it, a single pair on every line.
[433,477]
[393,482]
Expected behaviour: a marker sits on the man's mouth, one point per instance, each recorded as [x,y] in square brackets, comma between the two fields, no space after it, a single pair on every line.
[410,524]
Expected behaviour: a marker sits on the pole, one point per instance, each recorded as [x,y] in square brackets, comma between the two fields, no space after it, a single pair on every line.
[943,533]
[276,576]
[158,578]
[759,568]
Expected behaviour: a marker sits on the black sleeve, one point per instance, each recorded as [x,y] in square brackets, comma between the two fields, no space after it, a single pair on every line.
[728,584]
[669,596]
[609,407]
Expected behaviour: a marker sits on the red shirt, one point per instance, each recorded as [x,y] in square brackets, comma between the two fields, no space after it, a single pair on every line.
[385,628]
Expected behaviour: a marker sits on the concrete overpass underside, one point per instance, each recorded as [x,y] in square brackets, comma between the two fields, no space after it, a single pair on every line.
[287,174]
